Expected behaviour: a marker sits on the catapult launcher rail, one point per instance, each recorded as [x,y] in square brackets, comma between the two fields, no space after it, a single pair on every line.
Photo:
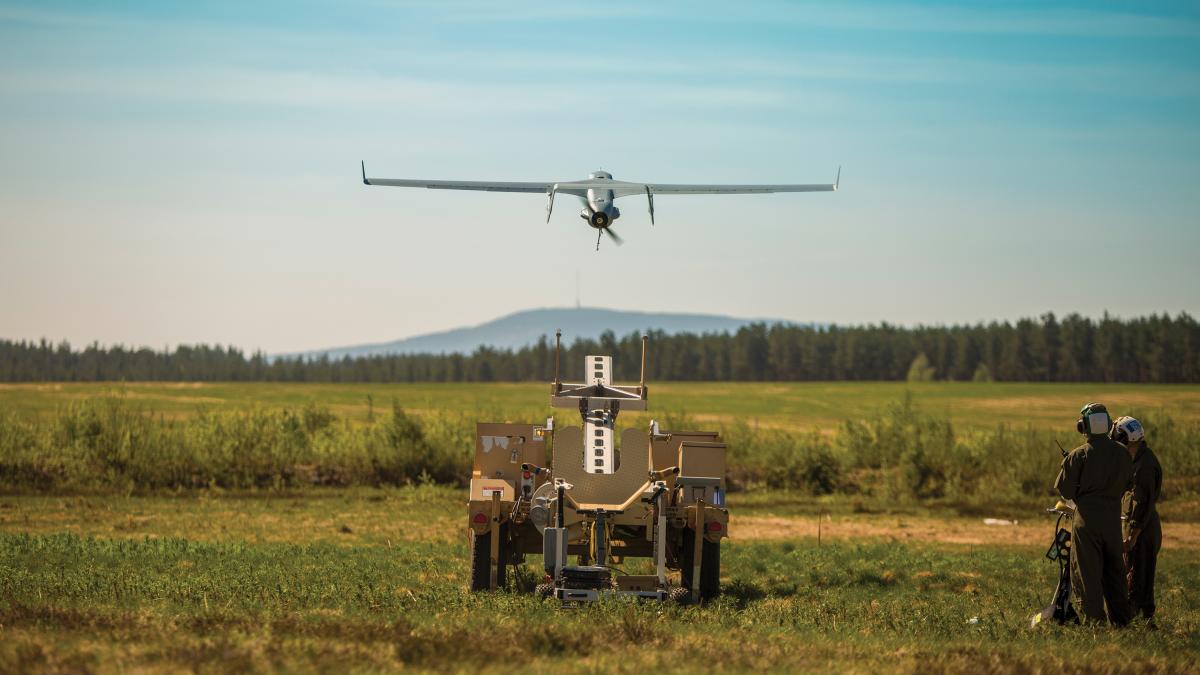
[576,492]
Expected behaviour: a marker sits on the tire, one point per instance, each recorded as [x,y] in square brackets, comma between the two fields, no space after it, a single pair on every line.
[481,551]
[710,565]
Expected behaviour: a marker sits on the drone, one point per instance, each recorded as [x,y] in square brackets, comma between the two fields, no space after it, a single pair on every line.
[599,193]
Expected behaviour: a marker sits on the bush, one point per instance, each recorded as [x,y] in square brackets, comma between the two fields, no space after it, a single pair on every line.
[901,452]
[107,443]
[776,459]
[920,369]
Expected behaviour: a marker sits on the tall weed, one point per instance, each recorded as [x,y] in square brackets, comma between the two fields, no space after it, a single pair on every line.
[902,452]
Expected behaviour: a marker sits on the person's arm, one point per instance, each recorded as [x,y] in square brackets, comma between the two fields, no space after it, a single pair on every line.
[1067,482]
[1157,484]
[1144,494]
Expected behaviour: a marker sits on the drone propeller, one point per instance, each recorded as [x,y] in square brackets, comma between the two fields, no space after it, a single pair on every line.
[605,230]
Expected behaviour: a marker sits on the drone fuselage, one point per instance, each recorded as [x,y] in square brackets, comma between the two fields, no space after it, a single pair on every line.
[599,211]
[600,203]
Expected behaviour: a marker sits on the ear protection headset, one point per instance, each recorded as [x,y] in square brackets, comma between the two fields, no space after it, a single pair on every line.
[1089,419]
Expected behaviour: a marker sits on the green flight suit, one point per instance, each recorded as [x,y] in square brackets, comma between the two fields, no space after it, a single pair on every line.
[1140,507]
[1096,475]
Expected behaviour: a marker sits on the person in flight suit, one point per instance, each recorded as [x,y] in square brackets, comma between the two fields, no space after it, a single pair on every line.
[1143,531]
[1095,475]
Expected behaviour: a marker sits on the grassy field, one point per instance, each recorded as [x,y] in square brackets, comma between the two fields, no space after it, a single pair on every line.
[366,579]
[967,442]
[375,579]
[784,405]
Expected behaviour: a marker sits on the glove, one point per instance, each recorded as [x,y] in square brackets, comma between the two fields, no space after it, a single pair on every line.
[1131,540]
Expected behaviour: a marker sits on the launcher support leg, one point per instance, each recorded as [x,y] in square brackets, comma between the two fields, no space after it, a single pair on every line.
[697,550]
[660,543]
[495,541]
[601,538]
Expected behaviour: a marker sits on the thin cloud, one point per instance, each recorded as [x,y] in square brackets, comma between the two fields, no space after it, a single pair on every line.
[329,90]
[944,18]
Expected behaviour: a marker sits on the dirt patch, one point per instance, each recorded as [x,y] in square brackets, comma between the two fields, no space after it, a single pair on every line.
[1064,404]
[1184,536]
[195,400]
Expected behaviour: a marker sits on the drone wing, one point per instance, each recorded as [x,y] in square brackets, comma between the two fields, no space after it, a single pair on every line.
[487,186]
[681,189]
[687,189]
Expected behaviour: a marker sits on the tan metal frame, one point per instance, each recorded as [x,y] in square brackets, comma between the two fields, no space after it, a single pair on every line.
[673,510]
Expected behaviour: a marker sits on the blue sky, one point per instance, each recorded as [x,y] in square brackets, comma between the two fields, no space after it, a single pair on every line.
[177,173]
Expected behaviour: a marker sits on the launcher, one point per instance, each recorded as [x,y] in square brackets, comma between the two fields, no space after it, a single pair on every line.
[611,499]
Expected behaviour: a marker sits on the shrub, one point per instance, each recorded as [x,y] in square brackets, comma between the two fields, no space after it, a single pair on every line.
[920,369]
[902,452]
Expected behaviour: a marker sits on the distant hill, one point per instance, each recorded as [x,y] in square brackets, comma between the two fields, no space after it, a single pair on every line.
[524,328]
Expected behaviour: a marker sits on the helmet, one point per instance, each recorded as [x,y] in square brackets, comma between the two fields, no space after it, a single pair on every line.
[1093,419]
[1128,430]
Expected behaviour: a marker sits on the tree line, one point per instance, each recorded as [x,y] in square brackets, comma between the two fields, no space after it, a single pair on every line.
[1152,349]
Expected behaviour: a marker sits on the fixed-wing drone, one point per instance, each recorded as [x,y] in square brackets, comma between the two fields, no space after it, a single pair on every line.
[598,193]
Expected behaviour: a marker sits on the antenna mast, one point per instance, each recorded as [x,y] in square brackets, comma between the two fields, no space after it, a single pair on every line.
[642,379]
[557,349]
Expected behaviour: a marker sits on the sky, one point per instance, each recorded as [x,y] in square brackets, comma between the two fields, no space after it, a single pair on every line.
[189,172]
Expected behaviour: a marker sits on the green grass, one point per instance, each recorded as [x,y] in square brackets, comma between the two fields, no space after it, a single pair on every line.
[126,440]
[68,602]
[358,579]
[352,516]
[99,572]
[785,405]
